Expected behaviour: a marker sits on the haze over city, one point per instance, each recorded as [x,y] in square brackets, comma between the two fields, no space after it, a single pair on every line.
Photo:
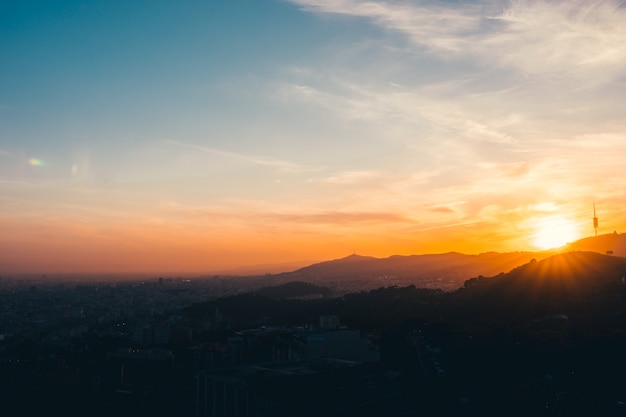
[202,136]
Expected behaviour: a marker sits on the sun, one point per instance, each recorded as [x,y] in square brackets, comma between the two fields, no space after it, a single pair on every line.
[554,231]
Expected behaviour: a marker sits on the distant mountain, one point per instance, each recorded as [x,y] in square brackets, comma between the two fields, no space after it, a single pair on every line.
[446,271]
[612,242]
[262,269]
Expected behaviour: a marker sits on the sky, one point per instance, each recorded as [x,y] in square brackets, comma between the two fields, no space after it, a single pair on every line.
[199,136]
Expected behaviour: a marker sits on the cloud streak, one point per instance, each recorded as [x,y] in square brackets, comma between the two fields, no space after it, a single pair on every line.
[6,154]
[340,218]
[281,165]
[350,177]
[574,39]
[412,108]
[256,214]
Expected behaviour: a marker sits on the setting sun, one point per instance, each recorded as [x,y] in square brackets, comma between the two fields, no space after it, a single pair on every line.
[554,231]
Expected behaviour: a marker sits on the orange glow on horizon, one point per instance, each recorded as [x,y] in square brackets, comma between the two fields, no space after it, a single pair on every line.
[81,241]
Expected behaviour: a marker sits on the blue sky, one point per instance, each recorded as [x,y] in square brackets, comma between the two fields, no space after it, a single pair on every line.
[205,135]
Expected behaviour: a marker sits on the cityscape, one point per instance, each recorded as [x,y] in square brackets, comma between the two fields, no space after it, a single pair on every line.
[545,337]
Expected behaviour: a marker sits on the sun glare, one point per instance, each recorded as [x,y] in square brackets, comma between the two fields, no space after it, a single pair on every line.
[554,232]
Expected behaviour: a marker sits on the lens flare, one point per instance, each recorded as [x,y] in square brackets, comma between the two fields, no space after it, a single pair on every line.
[35,162]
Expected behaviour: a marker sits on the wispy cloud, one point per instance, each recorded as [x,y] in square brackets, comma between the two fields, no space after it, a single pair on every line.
[340,218]
[282,165]
[432,25]
[257,214]
[567,38]
[15,182]
[442,210]
[350,177]
[412,108]
[6,154]
[574,37]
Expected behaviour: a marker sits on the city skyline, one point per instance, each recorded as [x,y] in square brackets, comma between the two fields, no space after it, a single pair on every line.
[155,136]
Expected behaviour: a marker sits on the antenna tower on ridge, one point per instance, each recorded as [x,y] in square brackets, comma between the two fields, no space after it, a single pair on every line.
[595,219]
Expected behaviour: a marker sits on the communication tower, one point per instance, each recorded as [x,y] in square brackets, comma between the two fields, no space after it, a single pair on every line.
[595,219]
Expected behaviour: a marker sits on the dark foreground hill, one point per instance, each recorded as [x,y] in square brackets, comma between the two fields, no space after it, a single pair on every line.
[584,288]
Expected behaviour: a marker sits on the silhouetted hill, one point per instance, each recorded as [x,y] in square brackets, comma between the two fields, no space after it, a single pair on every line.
[586,286]
[585,289]
[294,290]
[613,242]
[446,271]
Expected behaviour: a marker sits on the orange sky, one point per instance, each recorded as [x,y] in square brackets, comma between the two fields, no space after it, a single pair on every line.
[49,244]
[208,140]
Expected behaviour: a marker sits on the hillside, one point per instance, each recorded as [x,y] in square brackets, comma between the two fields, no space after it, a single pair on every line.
[612,242]
[546,338]
[443,271]
[581,286]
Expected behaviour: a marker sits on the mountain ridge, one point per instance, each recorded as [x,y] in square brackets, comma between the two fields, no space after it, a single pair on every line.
[445,271]
[610,243]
